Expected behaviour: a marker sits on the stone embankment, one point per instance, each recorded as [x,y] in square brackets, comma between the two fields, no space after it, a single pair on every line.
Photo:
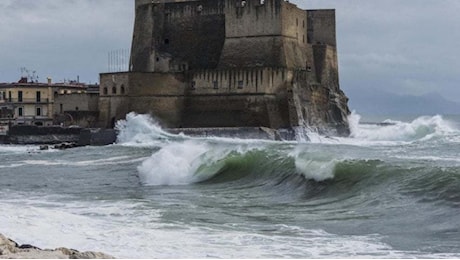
[12,250]
[55,135]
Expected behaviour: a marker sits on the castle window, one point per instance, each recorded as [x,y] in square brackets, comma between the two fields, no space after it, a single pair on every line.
[193,85]
[114,90]
[158,59]
[297,21]
[303,23]
[105,91]
[38,111]
[166,41]
[122,89]
[20,111]
[216,85]
[240,84]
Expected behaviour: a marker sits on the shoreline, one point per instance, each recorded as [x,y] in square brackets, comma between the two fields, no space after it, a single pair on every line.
[9,249]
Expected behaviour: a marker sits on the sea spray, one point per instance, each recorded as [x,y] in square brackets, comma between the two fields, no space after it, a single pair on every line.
[422,128]
[187,162]
[140,130]
[314,165]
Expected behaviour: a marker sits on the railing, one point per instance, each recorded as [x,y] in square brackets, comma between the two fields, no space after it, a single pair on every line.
[25,100]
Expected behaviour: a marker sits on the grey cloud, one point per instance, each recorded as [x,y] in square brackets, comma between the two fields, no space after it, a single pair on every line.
[403,47]
[392,45]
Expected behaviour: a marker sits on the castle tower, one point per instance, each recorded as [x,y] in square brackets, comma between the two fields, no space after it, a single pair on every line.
[231,63]
[177,35]
[270,33]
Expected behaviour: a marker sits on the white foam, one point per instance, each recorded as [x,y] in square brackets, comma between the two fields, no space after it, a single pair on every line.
[314,165]
[105,161]
[393,132]
[186,162]
[140,130]
[16,149]
[131,230]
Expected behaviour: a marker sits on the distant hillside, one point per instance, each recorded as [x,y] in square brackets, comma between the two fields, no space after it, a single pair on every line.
[383,103]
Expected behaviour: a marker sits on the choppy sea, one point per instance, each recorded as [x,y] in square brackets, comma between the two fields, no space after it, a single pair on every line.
[387,191]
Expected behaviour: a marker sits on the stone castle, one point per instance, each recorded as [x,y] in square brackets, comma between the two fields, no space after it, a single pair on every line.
[230,63]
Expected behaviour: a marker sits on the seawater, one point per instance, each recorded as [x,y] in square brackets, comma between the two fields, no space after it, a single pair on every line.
[385,192]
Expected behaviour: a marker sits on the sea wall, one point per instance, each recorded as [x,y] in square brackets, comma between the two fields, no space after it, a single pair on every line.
[24,135]
[259,133]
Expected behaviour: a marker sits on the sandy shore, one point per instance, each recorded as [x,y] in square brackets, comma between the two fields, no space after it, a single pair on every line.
[12,250]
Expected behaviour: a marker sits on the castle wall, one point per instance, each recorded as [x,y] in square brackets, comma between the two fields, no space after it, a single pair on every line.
[239,81]
[230,63]
[253,34]
[321,27]
[240,97]
[113,104]
[326,65]
[294,23]
[142,56]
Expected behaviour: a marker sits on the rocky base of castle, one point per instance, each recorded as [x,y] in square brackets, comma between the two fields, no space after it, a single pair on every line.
[12,250]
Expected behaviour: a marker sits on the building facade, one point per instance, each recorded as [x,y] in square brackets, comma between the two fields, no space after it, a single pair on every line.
[230,63]
[31,103]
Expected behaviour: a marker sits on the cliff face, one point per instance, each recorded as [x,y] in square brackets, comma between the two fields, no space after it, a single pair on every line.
[230,63]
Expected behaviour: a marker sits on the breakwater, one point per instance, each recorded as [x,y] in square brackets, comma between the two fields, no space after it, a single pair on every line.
[37,135]
[55,135]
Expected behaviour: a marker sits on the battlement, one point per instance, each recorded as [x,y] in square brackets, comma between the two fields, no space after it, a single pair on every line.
[239,81]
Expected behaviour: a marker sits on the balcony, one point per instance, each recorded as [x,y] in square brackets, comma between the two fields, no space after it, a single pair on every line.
[24,101]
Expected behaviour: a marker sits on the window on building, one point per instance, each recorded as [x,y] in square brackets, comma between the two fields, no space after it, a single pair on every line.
[193,85]
[61,108]
[122,90]
[167,41]
[19,96]
[9,96]
[105,91]
[38,96]
[38,111]
[114,90]
[216,85]
[20,111]
[240,84]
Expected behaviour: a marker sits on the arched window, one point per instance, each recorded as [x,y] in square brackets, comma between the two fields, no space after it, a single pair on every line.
[105,91]
[122,89]
[114,90]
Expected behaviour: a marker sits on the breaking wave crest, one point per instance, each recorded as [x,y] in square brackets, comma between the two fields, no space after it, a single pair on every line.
[140,130]
[421,129]
[296,173]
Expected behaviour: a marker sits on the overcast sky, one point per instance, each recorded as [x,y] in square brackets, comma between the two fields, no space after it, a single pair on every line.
[399,46]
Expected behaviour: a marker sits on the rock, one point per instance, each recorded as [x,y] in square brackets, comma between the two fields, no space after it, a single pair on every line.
[63,146]
[11,250]
[44,147]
